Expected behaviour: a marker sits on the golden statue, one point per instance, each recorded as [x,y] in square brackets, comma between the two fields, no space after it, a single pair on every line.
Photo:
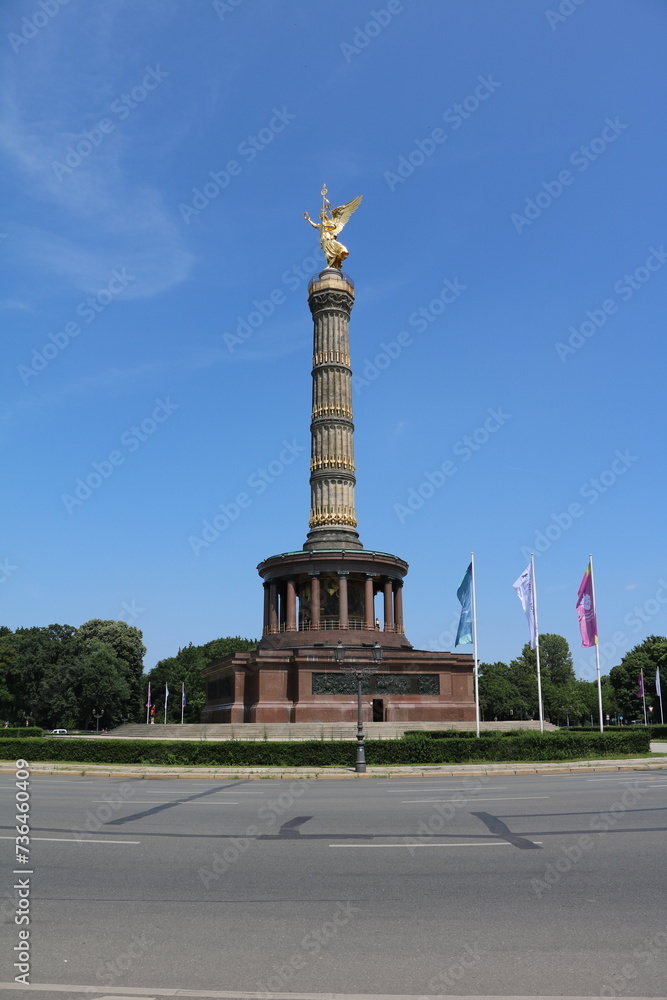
[333,220]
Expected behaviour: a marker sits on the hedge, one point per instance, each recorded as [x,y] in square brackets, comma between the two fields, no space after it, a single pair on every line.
[530,746]
[18,732]
[656,732]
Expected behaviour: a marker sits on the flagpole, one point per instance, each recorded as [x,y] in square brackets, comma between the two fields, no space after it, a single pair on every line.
[182,704]
[474,641]
[597,643]
[641,673]
[537,641]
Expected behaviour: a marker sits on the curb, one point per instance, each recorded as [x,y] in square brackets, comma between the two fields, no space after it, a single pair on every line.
[291,774]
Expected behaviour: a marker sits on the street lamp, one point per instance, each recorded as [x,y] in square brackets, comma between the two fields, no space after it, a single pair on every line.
[97,715]
[359,671]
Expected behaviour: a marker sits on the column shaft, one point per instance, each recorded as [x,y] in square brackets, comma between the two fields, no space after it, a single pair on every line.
[388,607]
[315,602]
[273,607]
[290,623]
[368,603]
[398,606]
[342,601]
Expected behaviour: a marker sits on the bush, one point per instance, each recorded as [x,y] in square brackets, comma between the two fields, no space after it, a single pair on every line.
[528,746]
[19,732]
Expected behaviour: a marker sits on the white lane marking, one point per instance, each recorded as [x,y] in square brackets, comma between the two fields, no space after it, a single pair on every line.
[446,788]
[480,798]
[490,843]
[166,802]
[74,840]
[627,777]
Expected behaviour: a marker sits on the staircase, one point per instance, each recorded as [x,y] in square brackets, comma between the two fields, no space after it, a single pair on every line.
[303,730]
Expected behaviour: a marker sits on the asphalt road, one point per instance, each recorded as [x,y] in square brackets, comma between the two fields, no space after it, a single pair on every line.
[509,886]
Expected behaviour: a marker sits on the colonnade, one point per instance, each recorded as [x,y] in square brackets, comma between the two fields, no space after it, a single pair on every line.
[282,599]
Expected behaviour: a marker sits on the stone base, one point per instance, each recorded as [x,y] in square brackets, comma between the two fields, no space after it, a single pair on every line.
[304,684]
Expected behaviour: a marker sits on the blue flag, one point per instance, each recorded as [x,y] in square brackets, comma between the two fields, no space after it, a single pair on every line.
[464,594]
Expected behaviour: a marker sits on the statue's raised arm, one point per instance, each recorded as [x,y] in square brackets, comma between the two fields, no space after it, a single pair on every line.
[332,222]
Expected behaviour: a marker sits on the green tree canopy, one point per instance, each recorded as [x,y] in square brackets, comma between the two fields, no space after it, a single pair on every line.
[646,656]
[187,668]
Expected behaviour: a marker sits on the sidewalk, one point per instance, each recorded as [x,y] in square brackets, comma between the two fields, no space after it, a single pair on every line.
[321,773]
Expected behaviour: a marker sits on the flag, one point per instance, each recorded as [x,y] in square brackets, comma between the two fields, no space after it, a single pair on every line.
[148,702]
[464,594]
[657,682]
[588,625]
[183,699]
[525,590]
[640,682]
[166,693]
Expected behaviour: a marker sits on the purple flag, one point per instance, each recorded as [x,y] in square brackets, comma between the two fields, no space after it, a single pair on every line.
[588,625]
[640,682]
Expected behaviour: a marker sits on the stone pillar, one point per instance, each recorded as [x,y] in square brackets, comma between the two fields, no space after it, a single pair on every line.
[273,606]
[398,606]
[315,602]
[290,616]
[267,606]
[368,602]
[333,519]
[388,606]
[342,601]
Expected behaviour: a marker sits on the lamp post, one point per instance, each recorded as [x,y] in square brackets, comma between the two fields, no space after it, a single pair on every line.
[97,715]
[359,671]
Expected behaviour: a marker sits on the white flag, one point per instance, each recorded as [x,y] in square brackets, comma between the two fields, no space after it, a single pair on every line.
[525,592]
[657,682]
[166,694]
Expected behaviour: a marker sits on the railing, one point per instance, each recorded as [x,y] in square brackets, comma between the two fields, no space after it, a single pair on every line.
[331,624]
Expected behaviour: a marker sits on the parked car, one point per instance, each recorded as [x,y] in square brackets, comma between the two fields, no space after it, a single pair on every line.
[58,732]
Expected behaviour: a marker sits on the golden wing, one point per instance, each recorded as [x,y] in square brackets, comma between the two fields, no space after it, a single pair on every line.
[341,214]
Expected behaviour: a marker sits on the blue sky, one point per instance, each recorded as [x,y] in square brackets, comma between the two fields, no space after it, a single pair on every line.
[510,284]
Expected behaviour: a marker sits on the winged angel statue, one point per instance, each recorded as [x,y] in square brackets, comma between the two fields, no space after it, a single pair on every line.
[333,220]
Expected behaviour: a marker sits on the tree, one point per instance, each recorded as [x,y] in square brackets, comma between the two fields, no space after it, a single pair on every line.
[498,695]
[126,641]
[624,677]
[187,668]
